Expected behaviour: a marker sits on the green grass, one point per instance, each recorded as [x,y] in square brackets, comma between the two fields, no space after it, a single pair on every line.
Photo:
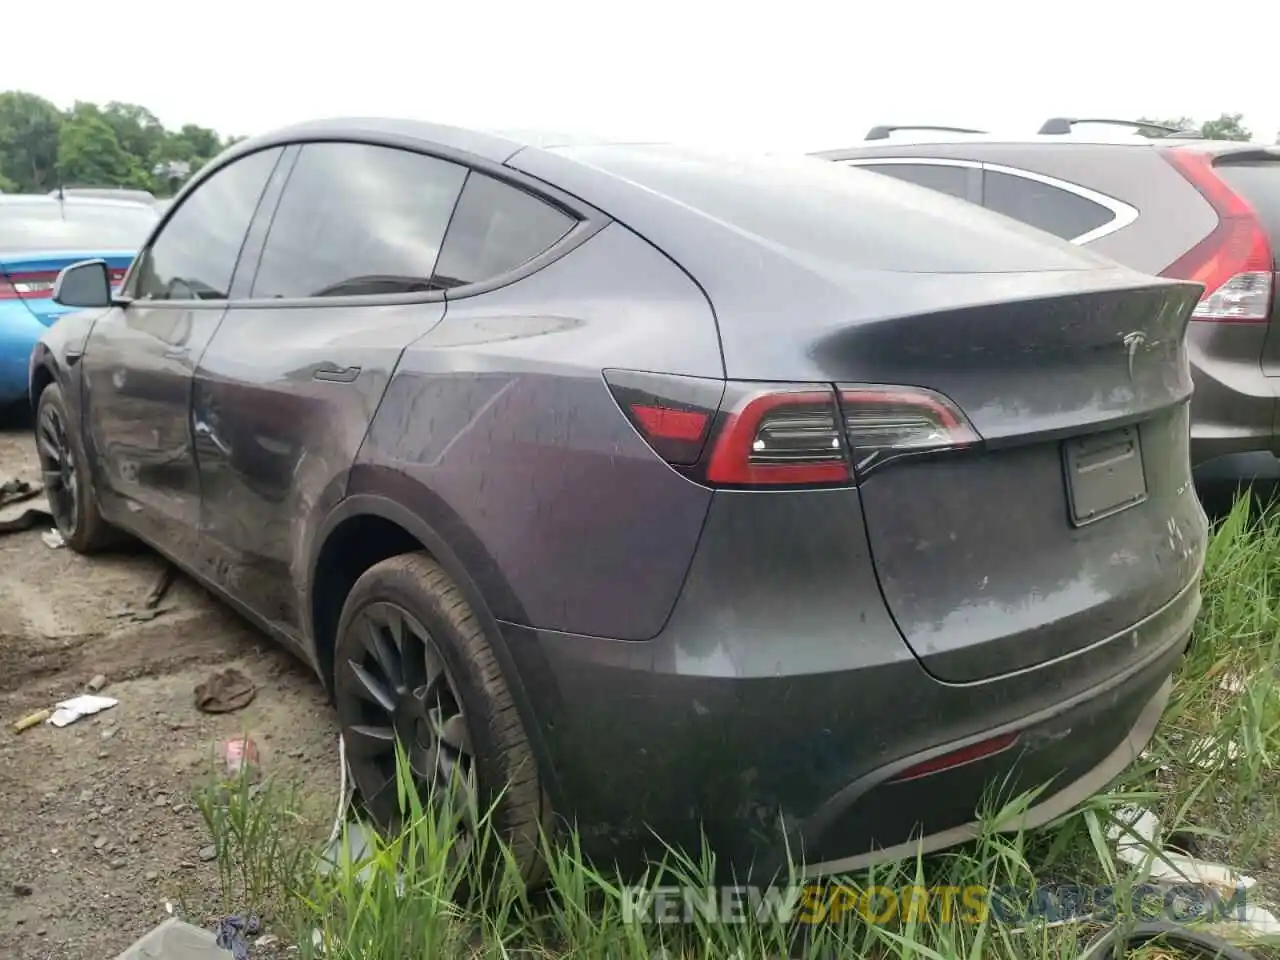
[1210,773]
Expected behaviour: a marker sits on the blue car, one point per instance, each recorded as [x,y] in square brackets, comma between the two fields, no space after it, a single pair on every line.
[38,237]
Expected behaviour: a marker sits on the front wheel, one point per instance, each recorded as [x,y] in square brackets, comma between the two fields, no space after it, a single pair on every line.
[412,665]
[68,485]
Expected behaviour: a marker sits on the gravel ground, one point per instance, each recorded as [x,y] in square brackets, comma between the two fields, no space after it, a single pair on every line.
[97,828]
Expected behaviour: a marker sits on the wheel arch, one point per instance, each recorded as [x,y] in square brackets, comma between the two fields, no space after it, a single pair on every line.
[378,514]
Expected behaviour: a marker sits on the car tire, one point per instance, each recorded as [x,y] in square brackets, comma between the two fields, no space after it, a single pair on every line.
[509,794]
[68,484]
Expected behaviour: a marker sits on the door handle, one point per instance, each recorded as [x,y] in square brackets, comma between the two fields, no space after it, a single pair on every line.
[335,374]
[177,353]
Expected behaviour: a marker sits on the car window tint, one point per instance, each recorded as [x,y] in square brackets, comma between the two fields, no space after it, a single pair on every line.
[195,254]
[496,228]
[357,219]
[1066,215]
[943,178]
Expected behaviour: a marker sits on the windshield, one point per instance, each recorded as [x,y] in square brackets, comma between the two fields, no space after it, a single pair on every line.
[35,227]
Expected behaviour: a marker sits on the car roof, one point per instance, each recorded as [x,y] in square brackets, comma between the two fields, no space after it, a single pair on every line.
[496,146]
[908,137]
[43,200]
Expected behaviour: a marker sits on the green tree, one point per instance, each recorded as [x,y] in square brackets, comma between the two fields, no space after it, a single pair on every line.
[137,130]
[29,127]
[1228,126]
[89,153]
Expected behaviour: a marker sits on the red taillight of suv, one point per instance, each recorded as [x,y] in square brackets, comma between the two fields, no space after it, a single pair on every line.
[785,435]
[1234,262]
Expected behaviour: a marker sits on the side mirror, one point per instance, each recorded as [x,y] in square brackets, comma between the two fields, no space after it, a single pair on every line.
[86,284]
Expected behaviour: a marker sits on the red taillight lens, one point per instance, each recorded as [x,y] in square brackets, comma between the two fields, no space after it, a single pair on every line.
[785,435]
[883,423]
[957,758]
[27,286]
[1235,261]
[776,437]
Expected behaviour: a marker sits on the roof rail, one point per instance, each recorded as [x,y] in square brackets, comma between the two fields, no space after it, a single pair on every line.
[883,132]
[1060,126]
[1185,135]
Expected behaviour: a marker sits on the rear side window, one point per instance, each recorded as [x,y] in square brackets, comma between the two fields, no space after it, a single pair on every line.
[1066,215]
[357,219]
[496,228]
[195,253]
[941,177]
[1259,183]
[821,211]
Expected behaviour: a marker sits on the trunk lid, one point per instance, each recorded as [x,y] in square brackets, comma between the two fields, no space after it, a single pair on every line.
[1075,518]
[29,277]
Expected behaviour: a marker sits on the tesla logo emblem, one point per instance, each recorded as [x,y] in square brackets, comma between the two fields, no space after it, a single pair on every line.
[1133,341]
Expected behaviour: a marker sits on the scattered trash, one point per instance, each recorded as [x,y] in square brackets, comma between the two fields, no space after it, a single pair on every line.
[1209,754]
[32,719]
[224,691]
[150,607]
[17,491]
[97,683]
[175,939]
[53,540]
[160,588]
[13,492]
[1135,834]
[345,791]
[240,756]
[230,933]
[85,705]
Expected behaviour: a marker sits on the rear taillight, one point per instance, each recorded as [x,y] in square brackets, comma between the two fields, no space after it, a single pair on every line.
[27,286]
[785,435]
[1234,262]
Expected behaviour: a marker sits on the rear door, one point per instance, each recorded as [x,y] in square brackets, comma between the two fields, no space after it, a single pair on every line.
[139,358]
[285,392]
[1255,176]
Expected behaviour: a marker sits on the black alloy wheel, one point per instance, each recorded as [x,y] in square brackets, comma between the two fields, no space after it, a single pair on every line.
[58,469]
[392,686]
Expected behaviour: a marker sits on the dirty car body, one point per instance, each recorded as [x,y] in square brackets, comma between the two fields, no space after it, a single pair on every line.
[801,508]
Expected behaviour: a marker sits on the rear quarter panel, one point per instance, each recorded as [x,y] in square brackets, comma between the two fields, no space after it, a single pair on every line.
[497,429]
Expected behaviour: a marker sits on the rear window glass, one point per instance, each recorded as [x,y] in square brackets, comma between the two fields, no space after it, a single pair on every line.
[1259,183]
[838,214]
[1066,215]
[936,176]
[33,227]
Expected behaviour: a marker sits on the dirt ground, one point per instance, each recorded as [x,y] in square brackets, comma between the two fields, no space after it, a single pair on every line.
[97,828]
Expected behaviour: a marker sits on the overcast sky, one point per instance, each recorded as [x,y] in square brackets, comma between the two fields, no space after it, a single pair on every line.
[794,74]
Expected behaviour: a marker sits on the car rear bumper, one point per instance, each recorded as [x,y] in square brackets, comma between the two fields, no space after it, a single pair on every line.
[769,734]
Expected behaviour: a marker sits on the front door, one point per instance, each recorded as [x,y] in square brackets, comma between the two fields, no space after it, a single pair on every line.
[139,359]
[285,392]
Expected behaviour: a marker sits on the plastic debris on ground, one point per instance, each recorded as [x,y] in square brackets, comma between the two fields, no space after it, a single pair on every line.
[85,705]
[53,540]
[240,758]
[175,939]
[1135,834]
[232,933]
